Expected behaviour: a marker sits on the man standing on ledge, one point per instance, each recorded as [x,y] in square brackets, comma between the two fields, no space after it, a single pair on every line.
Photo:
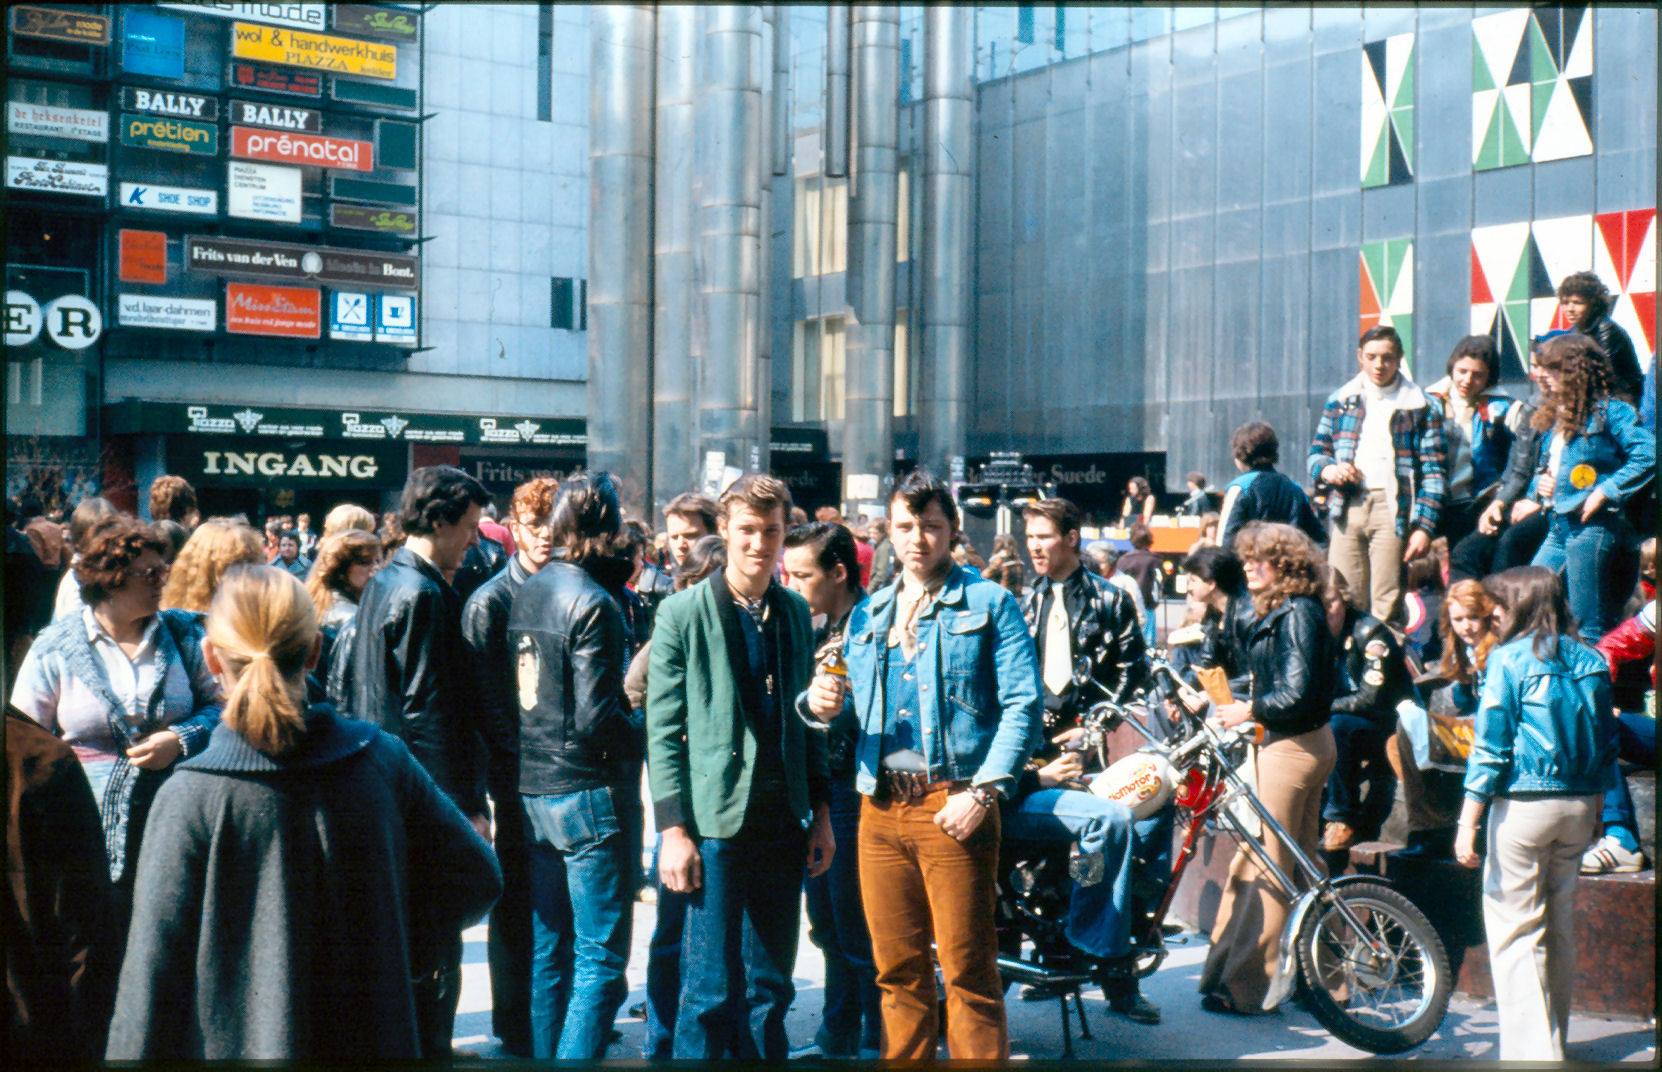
[945,684]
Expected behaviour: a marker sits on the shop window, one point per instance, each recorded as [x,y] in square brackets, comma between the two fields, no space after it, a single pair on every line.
[562,303]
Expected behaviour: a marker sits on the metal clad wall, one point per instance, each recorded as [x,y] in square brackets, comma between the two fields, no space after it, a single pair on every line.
[1168,233]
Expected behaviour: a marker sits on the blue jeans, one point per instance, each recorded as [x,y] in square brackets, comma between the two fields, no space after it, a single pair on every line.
[837,924]
[1599,567]
[1360,741]
[740,944]
[585,862]
[1099,916]
[1636,743]
[663,968]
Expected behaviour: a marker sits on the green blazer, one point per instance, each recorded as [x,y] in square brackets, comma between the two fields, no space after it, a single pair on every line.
[700,749]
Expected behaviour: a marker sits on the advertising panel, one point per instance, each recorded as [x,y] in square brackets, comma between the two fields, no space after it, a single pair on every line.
[190,199]
[52,121]
[323,52]
[289,312]
[57,176]
[141,256]
[169,135]
[380,220]
[262,192]
[395,318]
[383,193]
[167,102]
[368,20]
[152,44]
[162,311]
[567,435]
[226,461]
[285,260]
[56,24]
[294,16]
[349,319]
[349,153]
[276,116]
[274,80]
[374,94]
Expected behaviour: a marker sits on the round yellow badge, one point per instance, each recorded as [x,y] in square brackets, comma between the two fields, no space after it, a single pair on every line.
[1583,477]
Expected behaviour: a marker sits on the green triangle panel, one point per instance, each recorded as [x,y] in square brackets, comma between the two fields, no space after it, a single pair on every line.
[1542,66]
[1481,78]
[1516,317]
[1512,149]
[1404,96]
[1488,154]
[1378,171]
[1404,323]
[1374,255]
[1539,94]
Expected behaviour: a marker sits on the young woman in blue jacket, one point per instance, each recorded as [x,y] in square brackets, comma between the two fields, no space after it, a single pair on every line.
[1540,764]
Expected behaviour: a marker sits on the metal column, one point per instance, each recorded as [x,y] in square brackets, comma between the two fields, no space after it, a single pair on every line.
[836,90]
[621,43]
[675,285]
[868,430]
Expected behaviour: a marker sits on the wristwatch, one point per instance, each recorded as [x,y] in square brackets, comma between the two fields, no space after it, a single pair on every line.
[987,798]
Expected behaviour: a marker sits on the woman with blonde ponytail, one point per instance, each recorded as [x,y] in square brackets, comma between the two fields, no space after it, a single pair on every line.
[291,867]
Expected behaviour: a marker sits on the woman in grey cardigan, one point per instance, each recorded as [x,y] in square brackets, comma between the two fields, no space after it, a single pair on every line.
[291,867]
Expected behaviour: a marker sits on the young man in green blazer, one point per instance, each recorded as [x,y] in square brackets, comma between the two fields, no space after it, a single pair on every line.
[739,783]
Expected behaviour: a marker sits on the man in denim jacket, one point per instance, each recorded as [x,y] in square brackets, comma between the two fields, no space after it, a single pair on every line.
[944,682]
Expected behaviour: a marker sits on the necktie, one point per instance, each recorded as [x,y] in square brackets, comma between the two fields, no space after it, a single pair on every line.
[1058,668]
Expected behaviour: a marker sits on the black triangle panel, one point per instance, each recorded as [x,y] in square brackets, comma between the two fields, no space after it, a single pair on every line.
[1520,62]
[1540,283]
[1400,171]
[1375,52]
[1582,90]
[1573,18]
[1551,21]
[1506,347]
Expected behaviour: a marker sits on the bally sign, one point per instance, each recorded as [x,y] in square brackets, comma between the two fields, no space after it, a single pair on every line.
[324,52]
[348,153]
[291,312]
[276,116]
[286,260]
[165,102]
[52,121]
[170,135]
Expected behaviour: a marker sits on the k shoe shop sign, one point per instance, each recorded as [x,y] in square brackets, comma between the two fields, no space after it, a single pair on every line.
[310,264]
[318,463]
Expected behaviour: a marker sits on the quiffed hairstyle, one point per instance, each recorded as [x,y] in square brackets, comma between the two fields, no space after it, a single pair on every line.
[1218,566]
[833,546]
[587,517]
[108,553]
[263,629]
[534,499]
[919,488]
[1059,512]
[693,506]
[437,493]
[1533,604]
[217,544]
[1378,332]
[1300,569]
[1472,599]
[171,499]
[759,492]
[348,516]
[1479,347]
[1584,379]
[1588,287]
[1255,445]
[337,553]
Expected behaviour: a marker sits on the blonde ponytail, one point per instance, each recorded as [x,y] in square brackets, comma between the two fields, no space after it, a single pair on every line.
[263,626]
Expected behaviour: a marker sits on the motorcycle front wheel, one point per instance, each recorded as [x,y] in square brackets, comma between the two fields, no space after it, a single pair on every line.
[1386,999]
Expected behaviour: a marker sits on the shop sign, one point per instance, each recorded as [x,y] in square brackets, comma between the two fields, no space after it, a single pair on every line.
[349,153]
[56,24]
[323,52]
[167,102]
[52,121]
[285,260]
[349,319]
[169,135]
[496,430]
[289,312]
[395,318]
[168,418]
[374,94]
[505,472]
[262,192]
[141,256]
[170,198]
[382,193]
[276,116]
[152,44]
[370,21]
[162,311]
[231,462]
[1094,482]
[380,220]
[274,80]
[57,176]
[71,321]
[295,16]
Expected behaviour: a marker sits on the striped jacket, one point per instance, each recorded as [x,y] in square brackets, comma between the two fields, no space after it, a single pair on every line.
[1416,438]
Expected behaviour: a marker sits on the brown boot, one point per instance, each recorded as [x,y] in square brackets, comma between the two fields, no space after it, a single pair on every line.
[1338,837]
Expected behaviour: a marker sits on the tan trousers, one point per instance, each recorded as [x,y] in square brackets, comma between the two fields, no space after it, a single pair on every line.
[1529,879]
[1246,939]
[919,884]
[1365,548]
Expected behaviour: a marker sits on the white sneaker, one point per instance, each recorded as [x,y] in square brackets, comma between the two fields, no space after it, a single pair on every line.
[1609,857]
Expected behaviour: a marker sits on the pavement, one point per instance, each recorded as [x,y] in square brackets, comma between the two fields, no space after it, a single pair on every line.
[1469,1032]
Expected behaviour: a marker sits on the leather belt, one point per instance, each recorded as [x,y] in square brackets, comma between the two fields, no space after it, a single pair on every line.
[909,787]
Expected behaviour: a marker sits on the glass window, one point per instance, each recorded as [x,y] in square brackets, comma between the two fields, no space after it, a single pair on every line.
[23,382]
[805,248]
[831,369]
[903,217]
[805,370]
[902,364]
[834,228]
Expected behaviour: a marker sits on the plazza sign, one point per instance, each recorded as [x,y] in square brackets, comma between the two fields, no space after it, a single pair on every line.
[323,52]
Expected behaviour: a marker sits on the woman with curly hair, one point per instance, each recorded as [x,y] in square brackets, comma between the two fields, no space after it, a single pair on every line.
[1586,303]
[1592,456]
[1291,655]
[217,544]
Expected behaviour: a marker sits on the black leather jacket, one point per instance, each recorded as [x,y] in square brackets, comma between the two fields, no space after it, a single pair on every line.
[484,559]
[485,632]
[1291,656]
[1520,460]
[1373,678]
[570,648]
[1105,628]
[1228,636]
[1629,381]
[410,674]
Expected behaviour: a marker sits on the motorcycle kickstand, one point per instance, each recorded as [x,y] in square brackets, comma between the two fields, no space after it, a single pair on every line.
[1067,1023]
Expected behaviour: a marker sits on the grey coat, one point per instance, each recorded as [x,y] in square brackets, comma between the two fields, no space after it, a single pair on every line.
[278,901]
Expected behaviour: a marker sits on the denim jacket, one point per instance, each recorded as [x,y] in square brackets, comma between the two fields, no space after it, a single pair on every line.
[1492,422]
[1615,446]
[978,682]
[1543,726]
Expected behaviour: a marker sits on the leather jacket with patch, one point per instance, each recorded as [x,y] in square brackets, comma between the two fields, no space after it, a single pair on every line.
[1372,677]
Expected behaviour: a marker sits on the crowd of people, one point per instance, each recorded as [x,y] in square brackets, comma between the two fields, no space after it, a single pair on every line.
[264,780]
